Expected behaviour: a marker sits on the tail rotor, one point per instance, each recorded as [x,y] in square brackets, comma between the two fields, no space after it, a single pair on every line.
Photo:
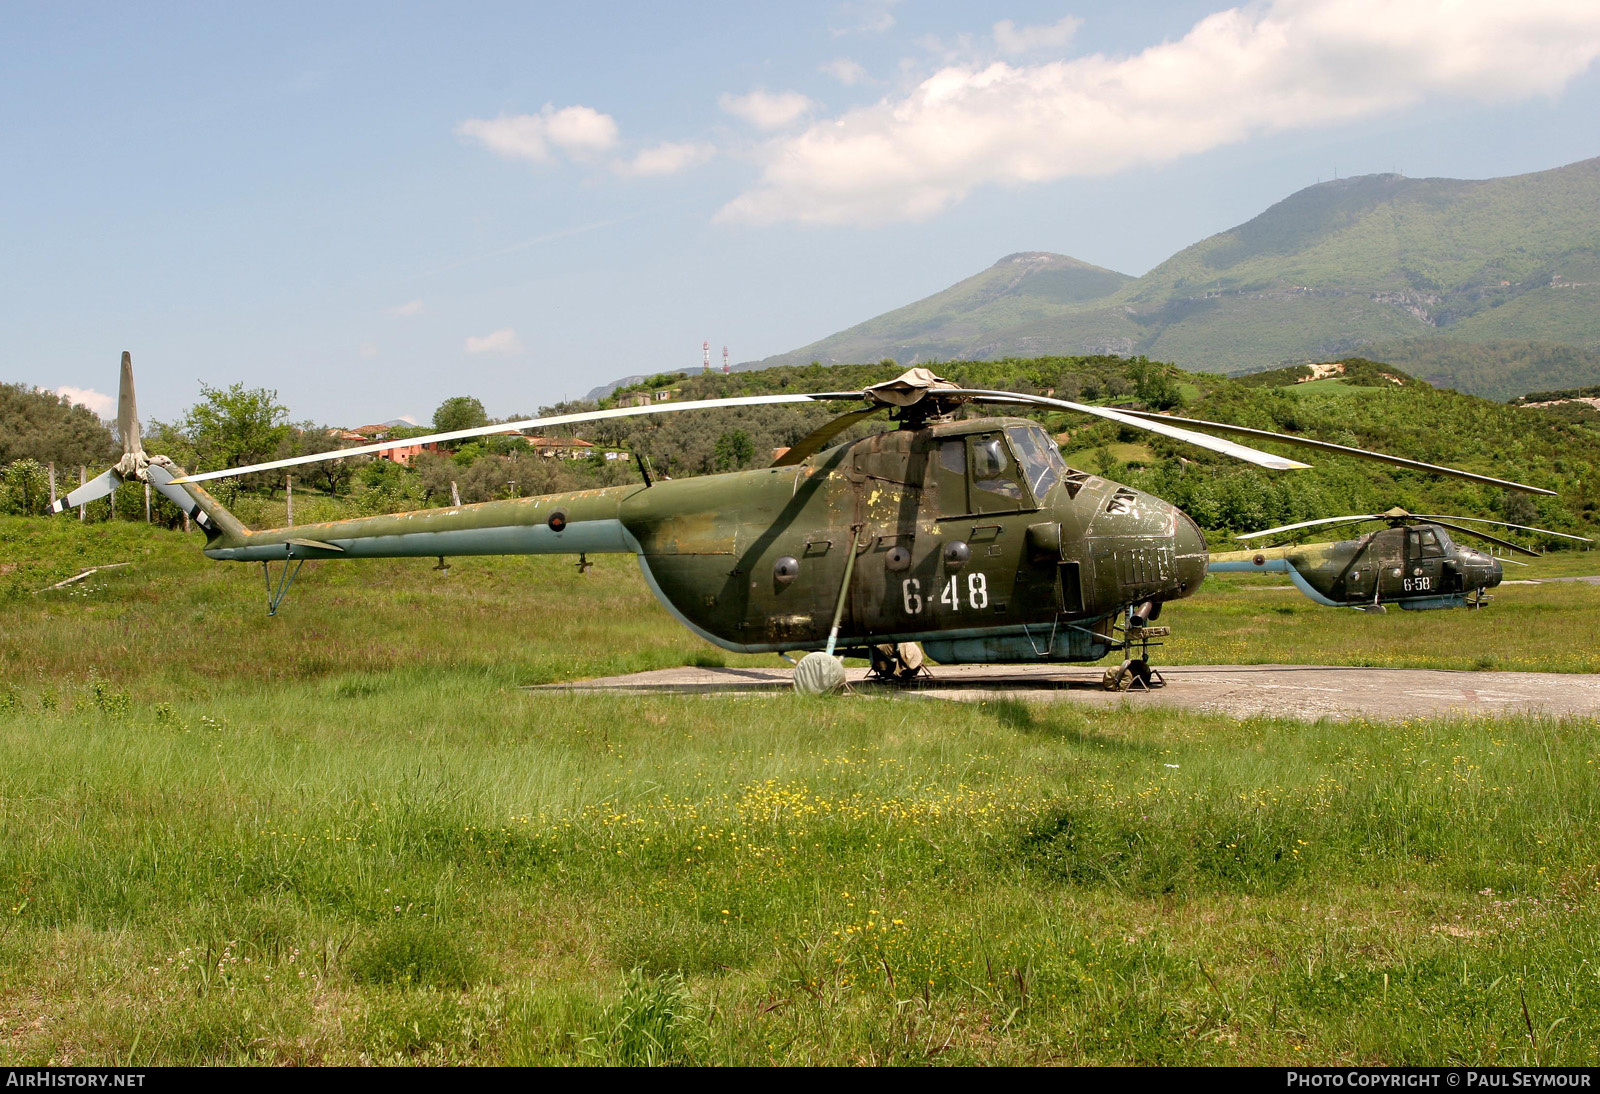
[135,465]
[133,459]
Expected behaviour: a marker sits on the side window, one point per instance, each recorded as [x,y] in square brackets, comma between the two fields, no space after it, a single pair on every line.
[952,476]
[953,456]
[994,475]
[1429,541]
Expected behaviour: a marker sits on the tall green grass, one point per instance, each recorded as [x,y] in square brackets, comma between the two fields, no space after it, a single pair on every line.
[462,872]
[346,835]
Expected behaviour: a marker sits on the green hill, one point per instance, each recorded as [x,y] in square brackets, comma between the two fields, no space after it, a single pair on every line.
[1427,268]
[1494,369]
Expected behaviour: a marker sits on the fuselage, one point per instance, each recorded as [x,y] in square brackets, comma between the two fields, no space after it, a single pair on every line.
[1418,567]
[972,537]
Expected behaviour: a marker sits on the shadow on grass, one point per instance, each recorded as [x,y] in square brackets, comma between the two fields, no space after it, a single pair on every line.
[1063,723]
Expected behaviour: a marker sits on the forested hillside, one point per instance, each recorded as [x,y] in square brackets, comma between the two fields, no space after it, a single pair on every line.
[1372,405]
[1498,370]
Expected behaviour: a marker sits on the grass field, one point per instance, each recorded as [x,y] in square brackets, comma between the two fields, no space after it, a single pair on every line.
[344,834]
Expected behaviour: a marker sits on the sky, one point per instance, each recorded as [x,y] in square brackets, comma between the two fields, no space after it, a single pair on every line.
[373,207]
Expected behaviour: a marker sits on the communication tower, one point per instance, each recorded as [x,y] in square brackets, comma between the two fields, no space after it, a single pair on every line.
[725,368]
[705,355]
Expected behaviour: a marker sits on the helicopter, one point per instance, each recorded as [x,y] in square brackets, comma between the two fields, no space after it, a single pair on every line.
[1414,562]
[969,537]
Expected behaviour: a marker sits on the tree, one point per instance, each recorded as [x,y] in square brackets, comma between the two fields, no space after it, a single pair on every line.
[235,426]
[460,412]
[24,488]
[44,426]
[734,449]
[332,475]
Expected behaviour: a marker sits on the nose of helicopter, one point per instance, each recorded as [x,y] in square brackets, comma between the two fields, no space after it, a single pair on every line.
[1189,552]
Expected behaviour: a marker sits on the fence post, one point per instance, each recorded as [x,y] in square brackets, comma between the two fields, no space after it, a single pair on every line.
[52,484]
[83,480]
[147,503]
[288,493]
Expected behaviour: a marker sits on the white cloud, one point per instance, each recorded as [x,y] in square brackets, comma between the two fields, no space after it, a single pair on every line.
[369,349]
[865,17]
[846,71]
[667,159]
[768,110]
[103,405]
[407,310]
[1010,38]
[1237,74]
[580,131]
[503,342]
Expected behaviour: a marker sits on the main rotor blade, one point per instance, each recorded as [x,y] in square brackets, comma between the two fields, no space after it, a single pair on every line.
[127,409]
[1344,450]
[1504,524]
[1200,440]
[1485,535]
[92,490]
[1309,524]
[818,438]
[527,423]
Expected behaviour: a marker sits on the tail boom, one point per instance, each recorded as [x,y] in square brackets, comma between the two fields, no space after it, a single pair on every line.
[585,521]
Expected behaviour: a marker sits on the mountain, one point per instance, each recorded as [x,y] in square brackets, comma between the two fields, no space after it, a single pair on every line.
[603,390]
[1437,265]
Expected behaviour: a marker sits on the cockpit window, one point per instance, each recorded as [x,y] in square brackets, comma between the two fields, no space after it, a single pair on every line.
[1042,464]
[991,468]
[992,472]
[1425,543]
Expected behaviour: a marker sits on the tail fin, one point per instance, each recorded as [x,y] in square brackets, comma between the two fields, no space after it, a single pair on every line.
[206,511]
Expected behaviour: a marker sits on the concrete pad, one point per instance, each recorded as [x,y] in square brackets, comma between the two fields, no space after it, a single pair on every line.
[1307,692]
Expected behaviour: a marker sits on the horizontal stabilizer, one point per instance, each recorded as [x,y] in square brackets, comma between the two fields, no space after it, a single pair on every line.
[317,544]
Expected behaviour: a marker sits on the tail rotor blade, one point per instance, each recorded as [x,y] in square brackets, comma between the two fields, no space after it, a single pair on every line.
[92,490]
[127,409]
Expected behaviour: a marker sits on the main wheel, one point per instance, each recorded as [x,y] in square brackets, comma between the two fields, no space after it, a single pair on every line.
[897,663]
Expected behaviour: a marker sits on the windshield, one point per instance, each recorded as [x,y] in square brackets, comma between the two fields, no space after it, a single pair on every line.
[1040,458]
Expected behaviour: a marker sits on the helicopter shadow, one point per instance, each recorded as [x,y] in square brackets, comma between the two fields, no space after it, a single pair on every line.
[1074,728]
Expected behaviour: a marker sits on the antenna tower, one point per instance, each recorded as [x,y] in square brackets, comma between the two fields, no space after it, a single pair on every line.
[705,355]
[725,368]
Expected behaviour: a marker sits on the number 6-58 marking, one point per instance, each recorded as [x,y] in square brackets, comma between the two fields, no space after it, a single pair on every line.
[950,595]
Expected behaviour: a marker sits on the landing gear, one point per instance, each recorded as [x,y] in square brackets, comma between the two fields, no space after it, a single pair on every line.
[1136,672]
[897,664]
[1133,674]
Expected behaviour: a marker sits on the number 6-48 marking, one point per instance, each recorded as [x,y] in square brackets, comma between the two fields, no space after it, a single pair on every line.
[949,595]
